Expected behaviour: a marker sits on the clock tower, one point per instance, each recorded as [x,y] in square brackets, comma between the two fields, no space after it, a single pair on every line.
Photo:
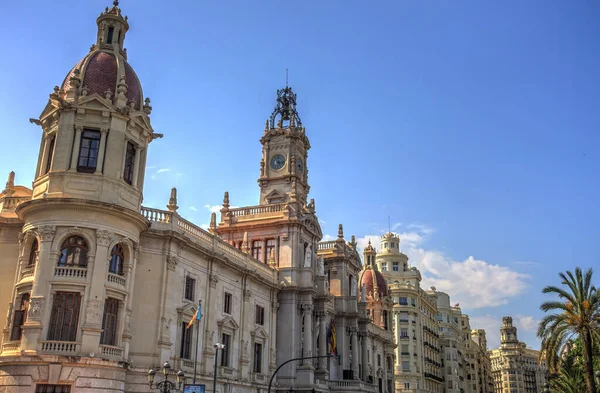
[283,173]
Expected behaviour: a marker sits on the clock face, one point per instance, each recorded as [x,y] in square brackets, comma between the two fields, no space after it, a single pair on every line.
[277,162]
[299,166]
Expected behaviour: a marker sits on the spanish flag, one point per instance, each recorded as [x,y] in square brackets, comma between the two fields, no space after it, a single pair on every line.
[197,315]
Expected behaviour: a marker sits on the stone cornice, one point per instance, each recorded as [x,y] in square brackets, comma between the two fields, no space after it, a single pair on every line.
[85,205]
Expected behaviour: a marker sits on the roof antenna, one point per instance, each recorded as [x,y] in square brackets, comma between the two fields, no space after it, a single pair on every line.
[286,77]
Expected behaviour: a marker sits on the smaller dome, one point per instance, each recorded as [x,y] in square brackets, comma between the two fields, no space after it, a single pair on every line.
[367,279]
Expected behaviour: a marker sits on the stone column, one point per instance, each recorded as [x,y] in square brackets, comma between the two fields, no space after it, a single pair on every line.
[44,159]
[100,163]
[76,144]
[308,331]
[355,352]
[123,158]
[136,166]
[32,329]
[322,341]
[97,269]
[365,360]
[385,370]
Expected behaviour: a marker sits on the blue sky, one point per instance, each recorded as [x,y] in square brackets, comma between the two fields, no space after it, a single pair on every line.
[473,125]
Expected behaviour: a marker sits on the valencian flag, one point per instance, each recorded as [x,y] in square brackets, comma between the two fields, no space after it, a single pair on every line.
[331,338]
[197,316]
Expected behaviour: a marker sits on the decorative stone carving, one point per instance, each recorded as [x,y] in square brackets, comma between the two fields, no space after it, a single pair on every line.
[363,293]
[9,315]
[353,286]
[171,262]
[93,311]
[36,307]
[46,232]
[320,266]
[307,308]
[103,237]
[247,294]
[273,355]
[214,279]
[308,256]
[245,349]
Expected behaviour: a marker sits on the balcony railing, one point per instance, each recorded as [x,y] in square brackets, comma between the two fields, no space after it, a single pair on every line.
[109,350]
[60,347]
[116,279]
[261,209]
[156,215]
[11,346]
[27,271]
[70,272]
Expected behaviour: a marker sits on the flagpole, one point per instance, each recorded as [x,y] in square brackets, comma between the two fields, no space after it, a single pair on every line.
[197,337]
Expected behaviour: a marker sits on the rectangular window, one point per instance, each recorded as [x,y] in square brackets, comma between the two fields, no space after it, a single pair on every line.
[404,332]
[403,316]
[270,249]
[190,287]
[395,266]
[20,318]
[109,37]
[185,349]
[260,315]
[384,266]
[226,341]
[53,388]
[50,154]
[403,301]
[257,249]
[379,360]
[405,366]
[109,322]
[64,317]
[227,303]
[412,302]
[257,358]
[88,151]
[129,163]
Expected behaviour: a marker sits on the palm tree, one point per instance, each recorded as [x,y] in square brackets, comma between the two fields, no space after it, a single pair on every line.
[577,316]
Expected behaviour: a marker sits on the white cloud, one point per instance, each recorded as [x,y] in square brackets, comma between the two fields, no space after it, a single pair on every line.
[162,170]
[327,238]
[213,208]
[472,282]
[322,222]
[526,323]
[151,167]
[193,208]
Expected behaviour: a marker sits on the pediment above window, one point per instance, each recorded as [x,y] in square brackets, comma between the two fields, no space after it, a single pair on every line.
[275,197]
[259,333]
[228,323]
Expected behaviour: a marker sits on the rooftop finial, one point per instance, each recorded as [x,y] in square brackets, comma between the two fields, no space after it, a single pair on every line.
[286,107]
[340,231]
[10,183]
[116,3]
[172,206]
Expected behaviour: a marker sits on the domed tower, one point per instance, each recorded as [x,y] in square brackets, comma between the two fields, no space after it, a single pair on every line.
[96,126]
[79,243]
[508,332]
[374,291]
[391,259]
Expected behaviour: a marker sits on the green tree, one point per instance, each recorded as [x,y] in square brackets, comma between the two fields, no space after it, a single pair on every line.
[576,315]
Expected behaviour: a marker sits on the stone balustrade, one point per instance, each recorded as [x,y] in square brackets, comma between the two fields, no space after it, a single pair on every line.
[116,279]
[59,347]
[112,351]
[70,272]
[260,209]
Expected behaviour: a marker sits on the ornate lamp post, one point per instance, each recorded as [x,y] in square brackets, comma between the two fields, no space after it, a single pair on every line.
[166,386]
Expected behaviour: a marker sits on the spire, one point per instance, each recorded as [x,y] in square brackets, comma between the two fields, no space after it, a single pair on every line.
[10,184]
[245,246]
[213,221]
[340,232]
[172,206]
[286,108]
[226,200]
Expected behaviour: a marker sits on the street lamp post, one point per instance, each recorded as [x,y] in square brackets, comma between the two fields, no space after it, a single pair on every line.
[293,360]
[165,386]
[217,346]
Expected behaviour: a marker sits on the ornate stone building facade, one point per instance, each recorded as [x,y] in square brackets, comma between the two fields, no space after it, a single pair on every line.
[516,368]
[96,288]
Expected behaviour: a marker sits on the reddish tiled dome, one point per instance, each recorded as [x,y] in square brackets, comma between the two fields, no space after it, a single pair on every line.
[99,72]
[367,279]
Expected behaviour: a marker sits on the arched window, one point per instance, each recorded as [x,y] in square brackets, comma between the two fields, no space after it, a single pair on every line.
[20,318]
[33,253]
[116,260]
[73,252]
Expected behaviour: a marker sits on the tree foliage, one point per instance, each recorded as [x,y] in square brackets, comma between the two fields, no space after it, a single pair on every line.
[575,315]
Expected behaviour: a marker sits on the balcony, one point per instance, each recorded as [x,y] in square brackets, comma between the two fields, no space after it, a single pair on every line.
[111,351]
[67,348]
[71,272]
[27,272]
[11,347]
[116,280]
[351,386]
